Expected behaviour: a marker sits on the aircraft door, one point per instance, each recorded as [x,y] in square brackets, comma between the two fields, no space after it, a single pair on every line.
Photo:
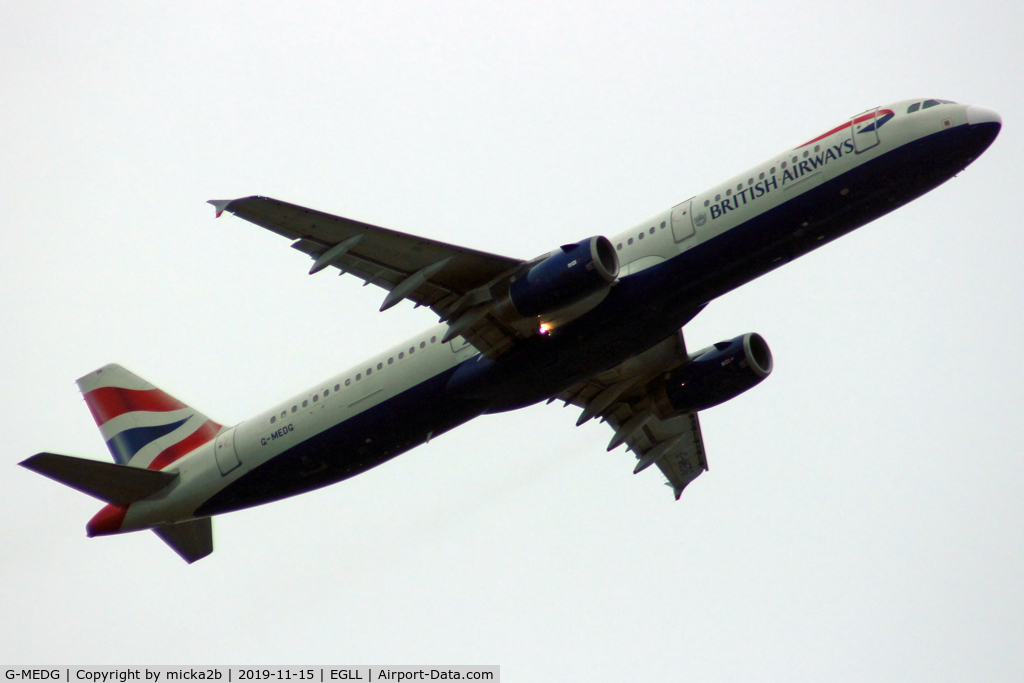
[224,450]
[864,131]
[682,221]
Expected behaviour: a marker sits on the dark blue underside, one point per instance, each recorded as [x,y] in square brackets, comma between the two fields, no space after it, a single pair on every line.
[640,311]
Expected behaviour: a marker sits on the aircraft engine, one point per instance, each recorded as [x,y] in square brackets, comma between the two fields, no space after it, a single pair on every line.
[715,375]
[567,275]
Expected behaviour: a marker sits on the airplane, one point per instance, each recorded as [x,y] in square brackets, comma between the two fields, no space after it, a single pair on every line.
[595,323]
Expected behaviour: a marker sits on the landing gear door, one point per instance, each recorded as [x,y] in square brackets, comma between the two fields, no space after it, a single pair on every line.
[682,221]
[224,449]
[864,131]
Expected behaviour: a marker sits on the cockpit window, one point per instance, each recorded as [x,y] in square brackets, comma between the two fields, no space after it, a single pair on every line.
[928,104]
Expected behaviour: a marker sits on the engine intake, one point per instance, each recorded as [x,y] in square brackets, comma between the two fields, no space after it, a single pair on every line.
[715,375]
[569,274]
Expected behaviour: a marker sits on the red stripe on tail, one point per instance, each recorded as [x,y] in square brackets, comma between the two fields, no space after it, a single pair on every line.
[203,435]
[106,403]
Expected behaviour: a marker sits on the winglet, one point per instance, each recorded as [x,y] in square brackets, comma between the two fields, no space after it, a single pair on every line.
[220,205]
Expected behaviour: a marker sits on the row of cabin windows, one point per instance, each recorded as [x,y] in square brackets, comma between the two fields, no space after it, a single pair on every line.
[641,235]
[760,176]
[359,376]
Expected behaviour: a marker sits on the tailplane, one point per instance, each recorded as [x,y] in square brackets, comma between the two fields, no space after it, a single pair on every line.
[191,540]
[117,484]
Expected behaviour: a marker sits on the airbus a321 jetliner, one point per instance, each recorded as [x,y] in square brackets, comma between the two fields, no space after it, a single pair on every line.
[595,323]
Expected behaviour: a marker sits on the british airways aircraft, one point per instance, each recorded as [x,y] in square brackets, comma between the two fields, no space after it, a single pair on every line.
[596,323]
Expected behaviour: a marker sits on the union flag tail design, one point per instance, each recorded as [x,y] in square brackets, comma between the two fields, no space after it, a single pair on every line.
[142,425]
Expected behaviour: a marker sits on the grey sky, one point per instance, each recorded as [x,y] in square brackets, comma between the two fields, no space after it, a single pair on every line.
[861,519]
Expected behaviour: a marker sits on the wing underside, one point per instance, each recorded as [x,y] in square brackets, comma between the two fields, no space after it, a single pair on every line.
[621,397]
[455,282]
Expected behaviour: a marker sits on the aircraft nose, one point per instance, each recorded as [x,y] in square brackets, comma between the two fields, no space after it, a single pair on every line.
[978,115]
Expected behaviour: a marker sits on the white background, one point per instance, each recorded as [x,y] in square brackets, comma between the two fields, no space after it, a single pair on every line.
[862,516]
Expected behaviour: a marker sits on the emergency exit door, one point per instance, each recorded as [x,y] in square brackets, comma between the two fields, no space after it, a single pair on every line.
[224,450]
[864,131]
[682,221]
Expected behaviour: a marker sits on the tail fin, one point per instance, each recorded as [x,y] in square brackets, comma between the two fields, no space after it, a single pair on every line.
[142,425]
[146,430]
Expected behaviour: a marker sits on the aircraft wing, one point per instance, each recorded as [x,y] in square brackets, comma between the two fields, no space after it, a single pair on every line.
[620,397]
[453,281]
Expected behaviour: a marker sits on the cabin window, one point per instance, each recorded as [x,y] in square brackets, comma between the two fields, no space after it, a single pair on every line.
[423,344]
[750,181]
[294,408]
[273,419]
[327,392]
[782,165]
[284,413]
[629,241]
[380,365]
[739,188]
[806,154]
[817,148]
[433,340]
[728,193]
[640,236]
[401,355]
[662,225]
[337,387]
[707,203]
[619,246]
[305,403]
[652,229]
[369,371]
[772,171]
[795,160]
[348,382]
[316,397]
[412,350]
[390,361]
[359,376]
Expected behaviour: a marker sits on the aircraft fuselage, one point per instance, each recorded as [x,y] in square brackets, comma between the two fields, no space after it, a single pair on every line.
[672,265]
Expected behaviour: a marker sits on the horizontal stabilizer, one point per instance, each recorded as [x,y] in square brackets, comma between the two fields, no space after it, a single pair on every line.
[117,484]
[191,540]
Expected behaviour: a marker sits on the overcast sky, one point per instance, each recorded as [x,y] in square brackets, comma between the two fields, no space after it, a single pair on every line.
[862,517]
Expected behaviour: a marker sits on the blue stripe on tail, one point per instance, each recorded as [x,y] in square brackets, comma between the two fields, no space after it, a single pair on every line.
[125,445]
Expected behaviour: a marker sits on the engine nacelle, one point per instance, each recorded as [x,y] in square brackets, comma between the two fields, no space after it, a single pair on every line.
[569,274]
[715,375]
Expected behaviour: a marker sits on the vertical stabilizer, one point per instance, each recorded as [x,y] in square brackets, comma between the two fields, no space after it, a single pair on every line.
[142,425]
